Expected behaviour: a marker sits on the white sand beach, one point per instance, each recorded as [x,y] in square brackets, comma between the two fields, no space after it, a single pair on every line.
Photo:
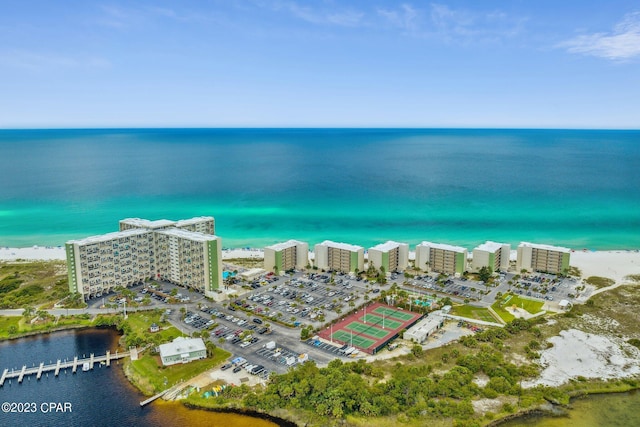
[576,353]
[47,253]
[615,265]
[33,253]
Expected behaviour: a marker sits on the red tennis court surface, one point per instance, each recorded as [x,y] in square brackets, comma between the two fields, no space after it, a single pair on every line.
[382,324]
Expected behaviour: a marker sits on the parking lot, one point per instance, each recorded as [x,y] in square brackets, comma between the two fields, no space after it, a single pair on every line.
[333,349]
[281,355]
[305,299]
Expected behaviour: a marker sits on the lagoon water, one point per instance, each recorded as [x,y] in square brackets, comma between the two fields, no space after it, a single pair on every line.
[603,410]
[102,397]
[575,188]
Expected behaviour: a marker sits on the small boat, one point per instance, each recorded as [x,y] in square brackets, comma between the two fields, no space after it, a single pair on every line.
[85,366]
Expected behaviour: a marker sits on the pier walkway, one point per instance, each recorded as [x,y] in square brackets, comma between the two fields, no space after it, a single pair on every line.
[59,365]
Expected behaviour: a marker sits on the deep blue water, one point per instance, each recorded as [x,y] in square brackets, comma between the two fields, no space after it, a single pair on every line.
[576,188]
[101,397]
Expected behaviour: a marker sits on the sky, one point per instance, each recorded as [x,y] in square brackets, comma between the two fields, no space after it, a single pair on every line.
[322,63]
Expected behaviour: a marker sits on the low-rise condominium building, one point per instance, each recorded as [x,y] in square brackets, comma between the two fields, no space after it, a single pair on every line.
[543,258]
[339,257]
[441,258]
[286,256]
[493,255]
[390,256]
[99,264]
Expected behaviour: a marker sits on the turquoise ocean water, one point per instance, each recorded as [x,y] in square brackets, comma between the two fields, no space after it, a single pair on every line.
[575,188]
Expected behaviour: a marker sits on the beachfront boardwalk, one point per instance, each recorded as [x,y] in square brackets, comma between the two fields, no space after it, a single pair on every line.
[86,363]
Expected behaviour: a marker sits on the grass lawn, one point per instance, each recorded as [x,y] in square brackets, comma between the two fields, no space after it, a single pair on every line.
[504,314]
[6,323]
[22,326]
[531,306]
[150,375]
[472,312]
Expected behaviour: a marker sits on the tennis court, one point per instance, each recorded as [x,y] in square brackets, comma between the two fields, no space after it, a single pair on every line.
[356,340]
[390,312]
[370,330]
[369,336]
[380,321]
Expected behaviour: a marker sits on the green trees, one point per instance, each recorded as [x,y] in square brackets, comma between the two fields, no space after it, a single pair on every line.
[305,333]
[416,350]
[484,274]
[344,389]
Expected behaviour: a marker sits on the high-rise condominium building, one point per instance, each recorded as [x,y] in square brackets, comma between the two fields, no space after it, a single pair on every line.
[155,250]
[201,224]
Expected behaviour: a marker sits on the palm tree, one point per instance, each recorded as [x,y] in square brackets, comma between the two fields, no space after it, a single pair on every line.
[28,311]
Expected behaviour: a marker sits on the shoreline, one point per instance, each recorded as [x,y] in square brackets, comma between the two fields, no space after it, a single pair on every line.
[614,264]
[549,409]
[606,386]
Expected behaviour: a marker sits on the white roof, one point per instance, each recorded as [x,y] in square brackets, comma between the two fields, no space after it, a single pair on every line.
[109,236]
[190,235]
[344,246]
[545,247]
[181,345]
[145,223]
[195,220]
[284,245]
[490,246]
[428,323]
[387,246]
[443,247]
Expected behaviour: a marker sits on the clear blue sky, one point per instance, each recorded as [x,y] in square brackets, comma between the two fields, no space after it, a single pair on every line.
[379,63]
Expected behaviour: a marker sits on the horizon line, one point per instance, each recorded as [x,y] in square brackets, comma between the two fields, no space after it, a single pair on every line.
[317,128]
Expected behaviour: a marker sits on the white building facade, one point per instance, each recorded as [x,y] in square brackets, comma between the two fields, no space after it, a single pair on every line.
[99,264]
[425,328]
[441,258]
[339,256]
[201,224]
[491,254]
[390,256]
[286,256]
[182,350]
[543,258]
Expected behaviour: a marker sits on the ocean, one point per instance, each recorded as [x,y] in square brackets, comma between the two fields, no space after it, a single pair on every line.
[573,188]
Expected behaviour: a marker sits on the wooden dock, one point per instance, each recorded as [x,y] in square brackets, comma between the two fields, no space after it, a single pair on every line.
[40,371]
[21,375]
[152,398]
[59,365]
